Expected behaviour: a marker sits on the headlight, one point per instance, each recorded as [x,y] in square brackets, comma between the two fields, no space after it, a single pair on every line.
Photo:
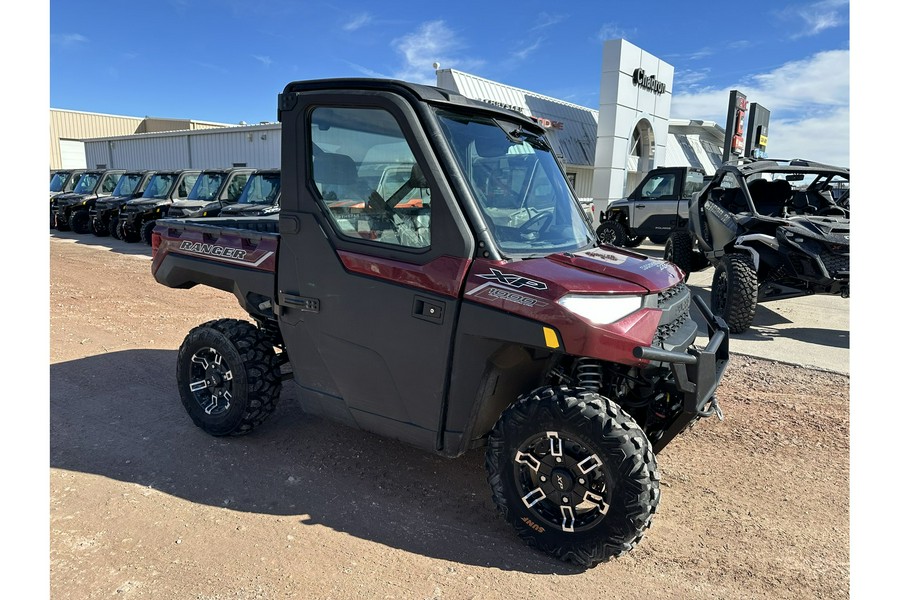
[601,310]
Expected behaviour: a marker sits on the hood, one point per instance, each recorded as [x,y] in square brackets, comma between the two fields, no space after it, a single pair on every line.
[70,198]
[652,274]
[193,204]
[834,230]
[145,203]
[113,199]
[249,210]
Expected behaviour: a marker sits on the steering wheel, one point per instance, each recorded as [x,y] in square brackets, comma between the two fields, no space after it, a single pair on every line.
[536,224]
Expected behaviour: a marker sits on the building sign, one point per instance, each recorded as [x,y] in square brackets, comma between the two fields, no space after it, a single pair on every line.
[734,126]
[545,123]
[648,82]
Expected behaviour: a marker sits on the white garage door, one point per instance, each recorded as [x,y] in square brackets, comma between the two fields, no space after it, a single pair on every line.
[72,154]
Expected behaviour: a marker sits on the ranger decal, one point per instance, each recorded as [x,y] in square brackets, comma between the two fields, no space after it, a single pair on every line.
[212,250]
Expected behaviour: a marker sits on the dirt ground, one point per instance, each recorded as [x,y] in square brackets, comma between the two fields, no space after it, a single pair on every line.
[143,504]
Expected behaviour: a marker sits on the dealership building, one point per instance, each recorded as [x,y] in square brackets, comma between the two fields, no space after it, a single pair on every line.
[605,151]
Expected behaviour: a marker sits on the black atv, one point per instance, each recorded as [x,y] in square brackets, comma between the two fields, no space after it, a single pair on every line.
[104,215]
[261,196]
[772,230]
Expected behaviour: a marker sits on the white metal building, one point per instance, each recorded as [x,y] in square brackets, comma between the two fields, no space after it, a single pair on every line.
[69,129]
[257,146]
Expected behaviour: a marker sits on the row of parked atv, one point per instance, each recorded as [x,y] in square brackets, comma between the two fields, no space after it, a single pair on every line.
[126,204]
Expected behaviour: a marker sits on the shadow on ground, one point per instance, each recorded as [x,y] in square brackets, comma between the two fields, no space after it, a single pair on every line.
[119,415]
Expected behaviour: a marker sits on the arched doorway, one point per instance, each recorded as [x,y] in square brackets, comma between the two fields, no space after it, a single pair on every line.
[641,151]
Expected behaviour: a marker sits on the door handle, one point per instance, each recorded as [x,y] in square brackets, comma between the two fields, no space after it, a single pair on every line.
[428,310]
[640,206]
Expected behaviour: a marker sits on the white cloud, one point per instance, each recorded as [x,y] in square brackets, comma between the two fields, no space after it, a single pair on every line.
[431,42]
[356,22]
[523,53]
[265,60]
[67,39]
[809,101]
[610,31]
[818,16]
[545,20]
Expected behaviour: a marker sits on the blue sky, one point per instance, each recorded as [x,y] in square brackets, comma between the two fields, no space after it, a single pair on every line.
[226,61]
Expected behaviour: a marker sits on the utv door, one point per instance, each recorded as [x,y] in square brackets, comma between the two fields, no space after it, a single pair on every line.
[371,265]
[654,203]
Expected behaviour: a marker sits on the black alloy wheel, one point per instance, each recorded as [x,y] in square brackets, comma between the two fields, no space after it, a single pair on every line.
[228,377]
[573,473]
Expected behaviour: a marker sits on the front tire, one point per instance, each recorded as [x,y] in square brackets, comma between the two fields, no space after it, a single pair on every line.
[80,221]
[147,232]
[228,377]
[734,289]
[98,228]
[678,249]
[113,227]
[574,474]
[611,232]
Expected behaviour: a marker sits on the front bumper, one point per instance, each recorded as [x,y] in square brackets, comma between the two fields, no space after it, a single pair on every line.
[697,373]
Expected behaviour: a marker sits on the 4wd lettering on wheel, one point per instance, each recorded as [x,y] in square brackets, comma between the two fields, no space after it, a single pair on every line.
[532,524]
[212,250]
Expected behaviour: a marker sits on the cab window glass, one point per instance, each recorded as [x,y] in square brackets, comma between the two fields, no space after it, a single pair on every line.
[235,187]
[109,183]
[368,180]
[660,186]
[187,184]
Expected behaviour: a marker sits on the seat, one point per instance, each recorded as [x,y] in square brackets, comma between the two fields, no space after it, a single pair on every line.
[336,176]
[773,198]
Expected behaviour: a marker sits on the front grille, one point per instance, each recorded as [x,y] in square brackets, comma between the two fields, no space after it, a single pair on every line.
[836,263]
[675,303]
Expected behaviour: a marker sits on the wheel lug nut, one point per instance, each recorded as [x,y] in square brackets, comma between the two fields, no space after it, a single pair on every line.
[543,478]
[581,481]
[558,459]
[565,500]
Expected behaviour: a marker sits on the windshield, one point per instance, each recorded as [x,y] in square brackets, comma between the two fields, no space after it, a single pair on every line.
[518,186]
[159,186]
[127,184]
[58,181]
[207,186]
[693,182]
[261,189]
[87,183]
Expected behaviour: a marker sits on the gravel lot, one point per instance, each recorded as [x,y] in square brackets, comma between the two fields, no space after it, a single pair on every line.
[143,504]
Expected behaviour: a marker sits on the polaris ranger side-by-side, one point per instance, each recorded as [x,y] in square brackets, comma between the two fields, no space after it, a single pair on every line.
[449,311]
[104,215]
[73,209]
[165,188]
[656,207]
[62,182]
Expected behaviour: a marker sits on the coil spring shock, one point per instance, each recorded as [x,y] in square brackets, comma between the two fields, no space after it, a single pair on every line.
[588,374]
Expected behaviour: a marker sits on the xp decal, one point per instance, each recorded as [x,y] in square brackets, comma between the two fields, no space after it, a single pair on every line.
[516,281]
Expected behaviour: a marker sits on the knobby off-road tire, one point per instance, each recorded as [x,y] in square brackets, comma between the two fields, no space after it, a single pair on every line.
[127,235]
[113,228]
[606,473]
[62,226]
[678,249]
[734,289]
[228,377]
[80,221]
[98,228]
[147,232]
[611,232]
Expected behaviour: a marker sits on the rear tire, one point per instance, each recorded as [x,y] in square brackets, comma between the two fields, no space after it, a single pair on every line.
[679,246]
[734,289]
[228,377]
[147,232]
[573,473]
